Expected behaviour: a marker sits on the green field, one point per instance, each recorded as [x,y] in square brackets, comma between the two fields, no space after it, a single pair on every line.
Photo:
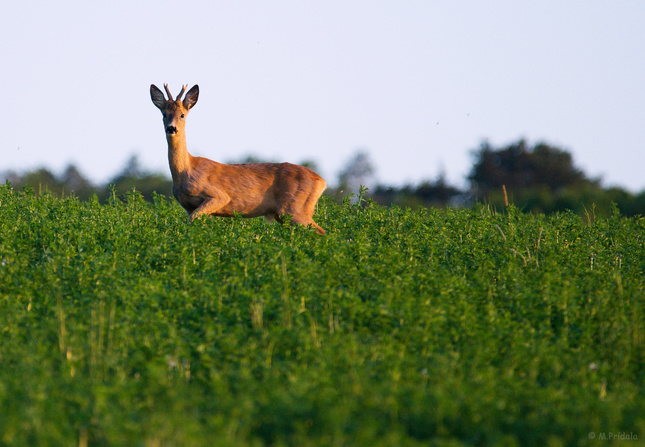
[121,324]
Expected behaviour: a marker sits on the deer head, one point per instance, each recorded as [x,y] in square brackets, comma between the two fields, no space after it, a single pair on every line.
[174,111]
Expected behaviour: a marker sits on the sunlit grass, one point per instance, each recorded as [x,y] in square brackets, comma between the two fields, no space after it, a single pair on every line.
[122,324]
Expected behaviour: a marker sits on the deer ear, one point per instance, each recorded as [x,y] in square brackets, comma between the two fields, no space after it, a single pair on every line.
[157,96]
[191,97]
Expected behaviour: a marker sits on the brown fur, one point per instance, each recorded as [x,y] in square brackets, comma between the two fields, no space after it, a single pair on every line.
[205,187]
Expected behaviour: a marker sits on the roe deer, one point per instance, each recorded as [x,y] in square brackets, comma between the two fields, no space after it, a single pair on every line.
[205,187]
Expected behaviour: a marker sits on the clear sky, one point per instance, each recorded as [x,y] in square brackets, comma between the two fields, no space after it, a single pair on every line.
[418,84]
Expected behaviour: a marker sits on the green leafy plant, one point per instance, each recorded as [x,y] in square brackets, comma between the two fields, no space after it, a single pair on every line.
[123,324]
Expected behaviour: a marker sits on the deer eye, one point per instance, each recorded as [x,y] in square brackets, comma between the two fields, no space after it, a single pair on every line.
[182,115]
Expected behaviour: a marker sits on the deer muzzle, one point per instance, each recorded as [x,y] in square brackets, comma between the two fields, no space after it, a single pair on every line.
[171,130]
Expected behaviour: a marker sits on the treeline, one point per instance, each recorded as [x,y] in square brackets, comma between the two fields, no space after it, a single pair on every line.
[73,183]
[537,179]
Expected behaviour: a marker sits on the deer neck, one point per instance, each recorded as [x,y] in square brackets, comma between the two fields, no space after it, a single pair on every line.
[178,155]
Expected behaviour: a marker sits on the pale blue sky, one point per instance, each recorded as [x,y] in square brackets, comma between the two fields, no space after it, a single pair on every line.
[418,84]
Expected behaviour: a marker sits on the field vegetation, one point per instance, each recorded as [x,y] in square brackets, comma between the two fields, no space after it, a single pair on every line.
[121,324]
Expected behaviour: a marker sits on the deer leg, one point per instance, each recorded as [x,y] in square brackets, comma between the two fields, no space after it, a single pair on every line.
[210,206]
[302,209]
[305,220]
[318,228]
[270,217]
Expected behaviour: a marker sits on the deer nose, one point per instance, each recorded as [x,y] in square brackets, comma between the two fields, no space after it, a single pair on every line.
[171,130]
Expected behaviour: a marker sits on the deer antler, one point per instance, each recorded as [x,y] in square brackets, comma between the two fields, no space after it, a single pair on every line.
[165,86]
[183,89]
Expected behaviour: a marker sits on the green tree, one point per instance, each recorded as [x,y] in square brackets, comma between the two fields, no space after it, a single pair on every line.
[359,171]
[518,166]
[42,180]
[543,179]
[133,176]
[76,183]
[428,193]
